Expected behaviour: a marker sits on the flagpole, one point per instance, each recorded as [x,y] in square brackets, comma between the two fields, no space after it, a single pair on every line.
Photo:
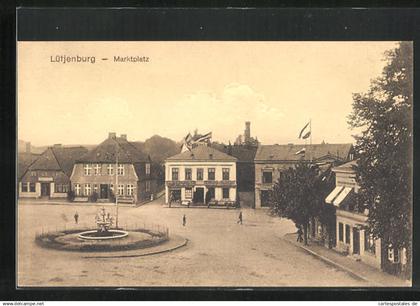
[310,136]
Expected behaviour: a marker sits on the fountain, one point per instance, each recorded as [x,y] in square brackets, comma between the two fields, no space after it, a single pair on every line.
[104,222]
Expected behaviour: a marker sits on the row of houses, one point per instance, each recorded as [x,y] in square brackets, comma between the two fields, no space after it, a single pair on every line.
[205,175]
[114,168]
[224,173]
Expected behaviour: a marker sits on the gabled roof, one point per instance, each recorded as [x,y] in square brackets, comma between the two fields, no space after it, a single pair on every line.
[24,161]
[106,152]
[347,167]
[58,158]
[288,152]
[202,153]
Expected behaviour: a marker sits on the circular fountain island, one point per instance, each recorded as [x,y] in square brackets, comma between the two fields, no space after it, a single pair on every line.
[104,238]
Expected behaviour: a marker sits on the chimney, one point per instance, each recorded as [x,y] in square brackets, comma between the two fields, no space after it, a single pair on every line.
[247,131]
[28,147]
[112,135]
[123,136]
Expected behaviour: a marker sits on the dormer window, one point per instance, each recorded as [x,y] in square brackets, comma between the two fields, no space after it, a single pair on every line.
[147,169]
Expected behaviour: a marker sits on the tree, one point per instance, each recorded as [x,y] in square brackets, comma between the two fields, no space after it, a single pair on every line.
[384,148]
[298,196]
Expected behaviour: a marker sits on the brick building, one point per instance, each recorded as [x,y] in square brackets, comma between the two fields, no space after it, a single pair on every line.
[114,167]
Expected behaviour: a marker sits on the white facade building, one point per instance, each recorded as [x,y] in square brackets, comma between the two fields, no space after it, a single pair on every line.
[201,175]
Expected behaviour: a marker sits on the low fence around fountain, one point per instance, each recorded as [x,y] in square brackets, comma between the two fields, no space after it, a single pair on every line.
[48,237]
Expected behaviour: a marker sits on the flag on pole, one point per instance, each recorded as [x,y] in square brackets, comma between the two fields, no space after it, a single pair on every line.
[303,130]
[302,151]
[306,135]
[203,138]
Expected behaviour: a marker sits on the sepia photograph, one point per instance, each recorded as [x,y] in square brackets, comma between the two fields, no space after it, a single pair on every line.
[214,164]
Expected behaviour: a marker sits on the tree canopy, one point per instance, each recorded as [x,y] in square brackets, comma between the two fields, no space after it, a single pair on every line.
[384,148]
[299,194]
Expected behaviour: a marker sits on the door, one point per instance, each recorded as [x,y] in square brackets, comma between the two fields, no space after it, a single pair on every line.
[356,241]
[199,195]
[104,191]
[45,189]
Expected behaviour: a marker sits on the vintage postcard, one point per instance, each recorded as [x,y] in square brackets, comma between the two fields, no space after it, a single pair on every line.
[216,164]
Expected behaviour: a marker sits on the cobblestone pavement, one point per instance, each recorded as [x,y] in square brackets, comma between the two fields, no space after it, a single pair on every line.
[220,252]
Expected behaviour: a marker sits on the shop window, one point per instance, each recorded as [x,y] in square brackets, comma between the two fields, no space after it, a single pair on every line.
[340,231]
[25,187]
[65,188]
[226,193]
[188,193]
[347,234]
[31,187]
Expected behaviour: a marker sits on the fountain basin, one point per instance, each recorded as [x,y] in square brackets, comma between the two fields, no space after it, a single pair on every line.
[108,235]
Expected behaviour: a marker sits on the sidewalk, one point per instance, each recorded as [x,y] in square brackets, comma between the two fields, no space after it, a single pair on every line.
[67,203]
[361,270]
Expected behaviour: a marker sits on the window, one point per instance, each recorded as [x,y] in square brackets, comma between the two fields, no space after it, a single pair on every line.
[97,169]
[25,187]
[120,170]
[33,173]
[174,174]
[88,190]
[65,188]
[121,189]
[31,187]
[393,255]
[188,193]
[147,169]
[211,174]
[110,169]
[210,192]
[111,187]
[267,177]
[369,243]
[200,174]
[225,193]
[130,189]
[347,234]
[95,188]
[58,188]
[340,231]
[87,169]
[77,189]
[147,186]
[188,174]
[225,174]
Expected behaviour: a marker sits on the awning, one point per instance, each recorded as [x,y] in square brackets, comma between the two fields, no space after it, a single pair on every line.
[333,194]
[343,194]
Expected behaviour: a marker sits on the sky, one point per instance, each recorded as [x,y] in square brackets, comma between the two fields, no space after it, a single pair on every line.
[209,86]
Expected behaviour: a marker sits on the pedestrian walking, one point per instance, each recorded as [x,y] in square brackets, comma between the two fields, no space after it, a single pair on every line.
[184,220]
[299,234]
[239,218]
[76,217]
